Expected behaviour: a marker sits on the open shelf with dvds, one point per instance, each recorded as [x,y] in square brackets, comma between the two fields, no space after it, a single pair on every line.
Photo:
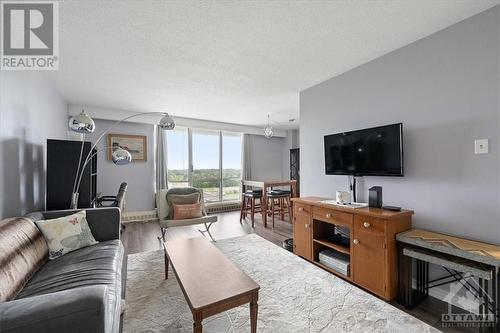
[331,247]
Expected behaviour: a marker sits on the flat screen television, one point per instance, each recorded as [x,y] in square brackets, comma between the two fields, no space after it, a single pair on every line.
[376,151]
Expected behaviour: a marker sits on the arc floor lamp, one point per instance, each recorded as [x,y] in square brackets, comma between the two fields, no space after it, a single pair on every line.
[84,124]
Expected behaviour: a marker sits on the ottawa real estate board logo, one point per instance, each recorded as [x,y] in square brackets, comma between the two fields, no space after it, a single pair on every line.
[29,35]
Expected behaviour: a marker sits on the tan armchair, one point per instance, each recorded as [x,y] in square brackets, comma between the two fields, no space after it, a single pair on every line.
[164,213]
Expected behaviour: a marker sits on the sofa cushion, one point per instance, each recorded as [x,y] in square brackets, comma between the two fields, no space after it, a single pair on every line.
[66,234]
[22,251]
[96,264]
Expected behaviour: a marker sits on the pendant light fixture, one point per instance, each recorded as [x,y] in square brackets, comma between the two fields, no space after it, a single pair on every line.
[268,130]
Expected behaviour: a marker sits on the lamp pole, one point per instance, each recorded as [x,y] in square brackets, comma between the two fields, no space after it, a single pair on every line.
[84,124]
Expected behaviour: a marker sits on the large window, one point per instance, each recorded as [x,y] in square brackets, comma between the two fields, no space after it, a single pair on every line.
[178,158]
[206,163]
[231,166]
[206,159]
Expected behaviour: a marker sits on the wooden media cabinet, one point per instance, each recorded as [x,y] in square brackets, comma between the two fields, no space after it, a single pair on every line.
[370,245]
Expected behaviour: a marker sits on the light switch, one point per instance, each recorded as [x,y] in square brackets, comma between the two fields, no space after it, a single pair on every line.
[481,146]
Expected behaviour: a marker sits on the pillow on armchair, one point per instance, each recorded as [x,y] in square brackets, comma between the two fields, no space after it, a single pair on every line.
[190,211]
[181,199]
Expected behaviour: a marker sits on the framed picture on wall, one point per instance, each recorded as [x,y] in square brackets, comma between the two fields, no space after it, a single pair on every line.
[135,144]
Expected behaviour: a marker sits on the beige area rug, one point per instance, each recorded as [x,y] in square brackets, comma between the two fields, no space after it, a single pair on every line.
[295,296]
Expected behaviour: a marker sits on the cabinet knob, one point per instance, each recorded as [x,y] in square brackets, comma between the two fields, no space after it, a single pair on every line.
[301,209]
[366,224]
[356,241]
[328,215]
[307,225]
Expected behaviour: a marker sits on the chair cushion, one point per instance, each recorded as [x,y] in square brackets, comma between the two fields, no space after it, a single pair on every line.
[96,264]
[181,199]
[278,193]
[253,195]
[254,191]
[187,211]
[66,234]
[23,251]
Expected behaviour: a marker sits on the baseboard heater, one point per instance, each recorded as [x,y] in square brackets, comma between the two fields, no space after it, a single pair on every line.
[143,216]
[221,207]
[151,215]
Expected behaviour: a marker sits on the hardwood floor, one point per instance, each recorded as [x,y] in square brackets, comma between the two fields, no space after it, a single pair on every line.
[143,236]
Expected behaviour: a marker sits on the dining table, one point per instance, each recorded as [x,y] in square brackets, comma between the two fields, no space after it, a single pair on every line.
[265,185]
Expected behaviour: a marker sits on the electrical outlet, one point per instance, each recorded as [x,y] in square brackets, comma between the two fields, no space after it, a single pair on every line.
[481,146]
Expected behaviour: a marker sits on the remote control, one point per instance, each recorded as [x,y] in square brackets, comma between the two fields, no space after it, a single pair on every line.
[393,208]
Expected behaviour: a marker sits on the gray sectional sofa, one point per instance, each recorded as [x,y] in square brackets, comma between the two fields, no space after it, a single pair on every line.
[78,292]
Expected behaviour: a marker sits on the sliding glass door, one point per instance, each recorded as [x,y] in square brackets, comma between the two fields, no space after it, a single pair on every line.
[206,159]
[178,158]
[231,166]
[206,163]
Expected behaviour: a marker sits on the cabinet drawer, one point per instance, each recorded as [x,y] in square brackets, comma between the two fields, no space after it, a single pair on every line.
[301,209]
[332,216]
[369,225]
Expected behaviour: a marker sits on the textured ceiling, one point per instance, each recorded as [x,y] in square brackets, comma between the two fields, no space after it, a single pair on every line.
[230,61]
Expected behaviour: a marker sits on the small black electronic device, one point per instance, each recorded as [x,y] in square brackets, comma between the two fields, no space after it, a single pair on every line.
[393,208]
[375,197]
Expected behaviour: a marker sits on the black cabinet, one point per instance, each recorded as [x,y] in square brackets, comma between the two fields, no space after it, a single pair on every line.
[62,164]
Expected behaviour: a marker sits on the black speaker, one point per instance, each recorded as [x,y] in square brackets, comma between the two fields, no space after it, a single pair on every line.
[375,197]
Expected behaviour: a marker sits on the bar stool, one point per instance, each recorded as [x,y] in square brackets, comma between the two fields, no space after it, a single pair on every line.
[249,204]
[279,204]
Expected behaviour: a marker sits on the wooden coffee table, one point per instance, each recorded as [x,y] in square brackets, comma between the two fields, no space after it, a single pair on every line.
[211,283]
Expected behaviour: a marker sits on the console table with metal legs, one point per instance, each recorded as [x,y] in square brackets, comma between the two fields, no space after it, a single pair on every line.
[471,265]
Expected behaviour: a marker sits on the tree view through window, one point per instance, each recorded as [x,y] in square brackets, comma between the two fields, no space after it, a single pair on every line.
[210,160]
[177,158]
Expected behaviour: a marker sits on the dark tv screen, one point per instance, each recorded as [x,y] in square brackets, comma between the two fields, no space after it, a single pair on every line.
[376,151]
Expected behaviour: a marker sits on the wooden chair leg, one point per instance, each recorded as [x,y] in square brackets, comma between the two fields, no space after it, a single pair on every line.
[260,206]
[252,211]
[282,208]
[289,206]
[272,210]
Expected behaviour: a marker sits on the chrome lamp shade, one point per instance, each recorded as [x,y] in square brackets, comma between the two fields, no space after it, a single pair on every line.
[82,123]
[167,122]
[121,156]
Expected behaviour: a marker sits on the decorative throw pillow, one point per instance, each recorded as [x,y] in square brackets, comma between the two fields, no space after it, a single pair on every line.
[192,211]
[181,199]
[66,234]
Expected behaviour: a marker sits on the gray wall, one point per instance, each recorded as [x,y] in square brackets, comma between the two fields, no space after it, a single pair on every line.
[444,88]
[31,111]
[139,175]
[266,157]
